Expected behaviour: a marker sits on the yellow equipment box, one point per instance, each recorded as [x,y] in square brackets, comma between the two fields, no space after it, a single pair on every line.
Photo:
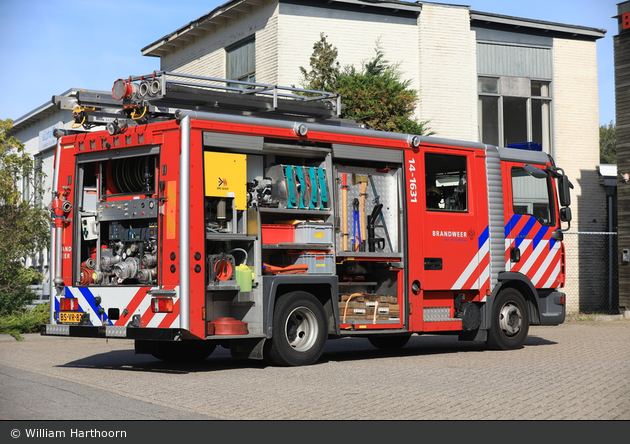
[226,176]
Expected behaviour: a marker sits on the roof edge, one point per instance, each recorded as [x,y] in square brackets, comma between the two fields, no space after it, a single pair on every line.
[538,24]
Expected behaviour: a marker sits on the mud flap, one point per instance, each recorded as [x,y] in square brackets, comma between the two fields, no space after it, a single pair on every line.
[247,348]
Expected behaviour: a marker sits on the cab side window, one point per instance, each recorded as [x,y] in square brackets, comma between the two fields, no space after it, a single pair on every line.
[446,182]
[531,196]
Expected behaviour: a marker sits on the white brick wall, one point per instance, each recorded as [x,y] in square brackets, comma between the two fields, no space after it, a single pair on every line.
[576,142]
[448,72]
[354,34]
[576,128]
[205,56]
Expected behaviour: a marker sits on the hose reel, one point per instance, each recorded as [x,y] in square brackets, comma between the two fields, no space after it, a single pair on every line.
[222,267]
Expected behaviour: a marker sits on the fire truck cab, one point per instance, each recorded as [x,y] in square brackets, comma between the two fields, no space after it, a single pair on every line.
[252,217]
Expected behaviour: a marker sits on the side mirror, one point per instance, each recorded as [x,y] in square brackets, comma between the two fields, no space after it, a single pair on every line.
[565,214]
[535,172]
[564,185]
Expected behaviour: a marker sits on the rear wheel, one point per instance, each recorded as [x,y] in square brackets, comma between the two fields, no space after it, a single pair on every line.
[510,321]
[299,330]
[389,342]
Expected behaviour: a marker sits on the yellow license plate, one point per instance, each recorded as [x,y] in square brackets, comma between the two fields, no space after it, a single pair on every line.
[70,318]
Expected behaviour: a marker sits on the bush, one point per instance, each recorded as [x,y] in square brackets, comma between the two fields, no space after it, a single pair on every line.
[24,321]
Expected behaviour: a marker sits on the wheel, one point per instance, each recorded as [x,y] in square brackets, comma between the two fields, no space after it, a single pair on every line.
[299,330]
[188,351]
[389,342]
[510,321]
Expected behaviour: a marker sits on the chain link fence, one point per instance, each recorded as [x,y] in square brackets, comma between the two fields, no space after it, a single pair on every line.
[592,284]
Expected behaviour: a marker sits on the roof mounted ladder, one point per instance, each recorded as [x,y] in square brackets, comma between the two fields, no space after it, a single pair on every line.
[139,99]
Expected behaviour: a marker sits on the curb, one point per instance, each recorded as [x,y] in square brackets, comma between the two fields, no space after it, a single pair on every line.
[618,317]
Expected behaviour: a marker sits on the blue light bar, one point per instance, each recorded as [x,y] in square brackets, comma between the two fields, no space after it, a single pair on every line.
[530,146]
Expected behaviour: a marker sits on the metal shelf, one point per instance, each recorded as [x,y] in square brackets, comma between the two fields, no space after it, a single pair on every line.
[293,246]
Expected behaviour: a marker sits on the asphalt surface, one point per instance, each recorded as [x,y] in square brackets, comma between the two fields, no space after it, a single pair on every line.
[576,371]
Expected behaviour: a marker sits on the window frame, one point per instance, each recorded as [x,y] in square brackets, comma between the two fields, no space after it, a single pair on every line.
[546,111]
[245,76]
[466,163]
[550,197]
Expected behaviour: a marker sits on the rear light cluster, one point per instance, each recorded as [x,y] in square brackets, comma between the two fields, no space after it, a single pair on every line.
[162,305]
[68,304]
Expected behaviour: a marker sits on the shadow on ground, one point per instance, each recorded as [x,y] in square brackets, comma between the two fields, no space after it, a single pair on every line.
[339,350]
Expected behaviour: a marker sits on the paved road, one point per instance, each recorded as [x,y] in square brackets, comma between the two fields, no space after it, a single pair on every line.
[577,371]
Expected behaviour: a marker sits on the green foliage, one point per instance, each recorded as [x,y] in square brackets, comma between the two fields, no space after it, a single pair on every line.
[324,67]
[608,143]
[24,321]
[374,95]
[24,227]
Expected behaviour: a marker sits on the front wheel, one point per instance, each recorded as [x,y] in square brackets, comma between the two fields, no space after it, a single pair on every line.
[299,330]
[510,321]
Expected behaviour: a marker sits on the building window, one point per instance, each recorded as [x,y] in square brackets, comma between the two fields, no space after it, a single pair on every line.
[446,182]
[514,110]
[241,61]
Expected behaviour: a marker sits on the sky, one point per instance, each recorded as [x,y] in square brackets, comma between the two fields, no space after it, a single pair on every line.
[48,47]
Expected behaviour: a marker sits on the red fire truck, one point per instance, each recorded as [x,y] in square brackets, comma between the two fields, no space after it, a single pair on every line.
[251,216]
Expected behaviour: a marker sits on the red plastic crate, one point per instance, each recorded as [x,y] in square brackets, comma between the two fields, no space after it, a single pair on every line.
[273,234]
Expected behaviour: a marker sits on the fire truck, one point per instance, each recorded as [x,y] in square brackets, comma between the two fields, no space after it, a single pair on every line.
[202,212]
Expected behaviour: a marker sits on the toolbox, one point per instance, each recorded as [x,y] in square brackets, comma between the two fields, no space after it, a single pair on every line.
[313,233]
[273,234]
[318,262]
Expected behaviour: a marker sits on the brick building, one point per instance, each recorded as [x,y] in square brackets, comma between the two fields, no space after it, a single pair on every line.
[480,76]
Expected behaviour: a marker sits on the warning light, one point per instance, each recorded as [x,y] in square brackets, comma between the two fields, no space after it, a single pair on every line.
[162,305]
[68,304]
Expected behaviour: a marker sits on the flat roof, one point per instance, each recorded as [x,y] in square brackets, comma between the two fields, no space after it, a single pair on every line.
[230,11]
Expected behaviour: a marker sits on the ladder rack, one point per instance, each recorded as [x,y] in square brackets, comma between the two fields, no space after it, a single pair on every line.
[139,99]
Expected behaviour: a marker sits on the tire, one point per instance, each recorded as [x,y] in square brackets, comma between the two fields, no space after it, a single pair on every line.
[188,351]
[299,330]
[510,321]
[389,342]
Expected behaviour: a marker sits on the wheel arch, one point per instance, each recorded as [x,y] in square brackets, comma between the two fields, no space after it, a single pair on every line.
[523,285]
[324,288]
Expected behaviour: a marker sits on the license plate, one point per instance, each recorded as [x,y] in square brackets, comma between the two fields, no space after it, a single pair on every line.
[70,318]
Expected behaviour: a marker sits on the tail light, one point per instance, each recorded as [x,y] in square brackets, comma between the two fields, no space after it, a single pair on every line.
[162,305]
[68,304]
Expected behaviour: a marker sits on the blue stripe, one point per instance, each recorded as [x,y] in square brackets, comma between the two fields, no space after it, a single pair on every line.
[89,297]
[525,231]
[511,224]
[541,233]
[483,237]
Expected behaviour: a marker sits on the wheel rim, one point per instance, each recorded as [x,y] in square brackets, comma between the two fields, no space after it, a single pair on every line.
[510,319]
[301,329]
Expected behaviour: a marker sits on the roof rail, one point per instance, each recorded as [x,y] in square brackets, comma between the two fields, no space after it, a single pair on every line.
[139,99]
[190,91]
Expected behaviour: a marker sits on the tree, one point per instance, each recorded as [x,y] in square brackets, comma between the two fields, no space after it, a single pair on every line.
[324,67]
[374,95]
[24,226]
[608,143]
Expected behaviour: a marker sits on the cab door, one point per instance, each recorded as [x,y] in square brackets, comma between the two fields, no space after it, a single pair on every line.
[531,219]
[451,220]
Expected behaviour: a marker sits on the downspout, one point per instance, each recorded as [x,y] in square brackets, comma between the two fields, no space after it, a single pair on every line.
[184,224]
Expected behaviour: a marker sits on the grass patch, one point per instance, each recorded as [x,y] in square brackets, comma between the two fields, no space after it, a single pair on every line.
[25,321]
